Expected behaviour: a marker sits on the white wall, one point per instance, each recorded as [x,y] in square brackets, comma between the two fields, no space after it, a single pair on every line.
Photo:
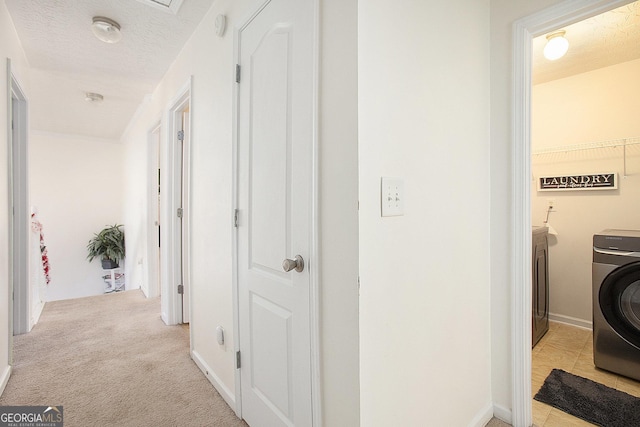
[338,151]
[10,47]
[425,278]
[209,59]
[76,186]
[596,106]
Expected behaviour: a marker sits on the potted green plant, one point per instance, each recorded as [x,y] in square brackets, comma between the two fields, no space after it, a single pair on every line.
[108,244]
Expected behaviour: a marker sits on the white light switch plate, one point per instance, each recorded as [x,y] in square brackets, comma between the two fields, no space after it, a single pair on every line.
[392,196]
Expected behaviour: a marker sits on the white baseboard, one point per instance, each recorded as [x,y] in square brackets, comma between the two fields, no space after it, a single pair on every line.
[573,321]
[226,394]
[4,379]
[36,314]
[502,413]
[483,417]
[164,318]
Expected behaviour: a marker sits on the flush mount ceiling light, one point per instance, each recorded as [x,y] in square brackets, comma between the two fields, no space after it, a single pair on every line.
[556,45]
[106,29]
[93,97]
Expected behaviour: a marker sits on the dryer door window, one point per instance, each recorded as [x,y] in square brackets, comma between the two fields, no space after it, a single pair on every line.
[620,301]
[630,304]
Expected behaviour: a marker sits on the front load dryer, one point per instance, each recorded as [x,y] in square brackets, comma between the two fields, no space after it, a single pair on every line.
[616,301]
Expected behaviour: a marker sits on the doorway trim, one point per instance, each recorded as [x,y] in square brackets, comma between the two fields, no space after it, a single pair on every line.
[170,258]
[154,142]
[18,157]
[314,258]
[524,30]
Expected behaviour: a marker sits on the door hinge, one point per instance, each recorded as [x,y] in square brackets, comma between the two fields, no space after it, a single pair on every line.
[181,289]
[237,73]
[238,359]
[180,135]
[180,212]
[236,214]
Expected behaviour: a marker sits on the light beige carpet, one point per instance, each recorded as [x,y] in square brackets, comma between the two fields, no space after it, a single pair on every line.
[109,360]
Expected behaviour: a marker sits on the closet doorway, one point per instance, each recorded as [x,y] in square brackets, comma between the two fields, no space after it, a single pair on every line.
[152,287]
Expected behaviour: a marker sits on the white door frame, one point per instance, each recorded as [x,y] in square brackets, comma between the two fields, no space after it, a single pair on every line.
[20,312]
[524,30]
[152,281]
[170,201]
[314,258]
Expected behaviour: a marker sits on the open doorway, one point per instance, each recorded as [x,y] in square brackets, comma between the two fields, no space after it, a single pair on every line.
[563,14]
[175,212]
[26,302]
[585,150]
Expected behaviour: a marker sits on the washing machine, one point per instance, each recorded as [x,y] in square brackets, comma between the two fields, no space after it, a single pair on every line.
[616,301]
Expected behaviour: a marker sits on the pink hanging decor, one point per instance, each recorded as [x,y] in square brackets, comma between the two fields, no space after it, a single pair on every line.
[36,226]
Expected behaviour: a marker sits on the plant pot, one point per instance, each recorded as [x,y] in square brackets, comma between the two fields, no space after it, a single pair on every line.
[108,264]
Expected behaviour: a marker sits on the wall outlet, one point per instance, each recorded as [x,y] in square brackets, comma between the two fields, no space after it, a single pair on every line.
[550,203]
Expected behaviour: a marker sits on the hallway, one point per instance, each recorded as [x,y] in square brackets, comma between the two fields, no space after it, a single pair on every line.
[110,360]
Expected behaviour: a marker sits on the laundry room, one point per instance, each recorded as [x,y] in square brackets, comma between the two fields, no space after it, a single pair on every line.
[585,122]
[585,166]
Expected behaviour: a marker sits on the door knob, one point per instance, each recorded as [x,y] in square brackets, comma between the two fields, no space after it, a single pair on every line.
[290,264]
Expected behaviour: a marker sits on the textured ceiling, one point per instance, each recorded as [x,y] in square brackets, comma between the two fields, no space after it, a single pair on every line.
[607,39]
[69,61]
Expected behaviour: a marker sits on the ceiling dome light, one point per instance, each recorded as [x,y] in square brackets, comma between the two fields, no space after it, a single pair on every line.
[93,97]
[106,29]
[556,45]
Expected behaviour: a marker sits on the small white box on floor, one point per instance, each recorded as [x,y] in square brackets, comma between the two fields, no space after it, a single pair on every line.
[114,280]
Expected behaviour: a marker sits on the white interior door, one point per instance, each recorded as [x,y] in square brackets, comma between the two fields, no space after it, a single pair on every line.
[184,256]
[174,238]
[23,297]
[179,235]
[275,137]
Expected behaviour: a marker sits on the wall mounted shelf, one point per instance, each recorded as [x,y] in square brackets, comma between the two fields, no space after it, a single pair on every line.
[623,143]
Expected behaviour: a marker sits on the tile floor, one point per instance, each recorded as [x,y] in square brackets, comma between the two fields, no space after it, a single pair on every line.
[571,349]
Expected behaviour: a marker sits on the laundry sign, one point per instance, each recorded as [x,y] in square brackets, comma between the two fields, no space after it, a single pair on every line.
[593,181]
